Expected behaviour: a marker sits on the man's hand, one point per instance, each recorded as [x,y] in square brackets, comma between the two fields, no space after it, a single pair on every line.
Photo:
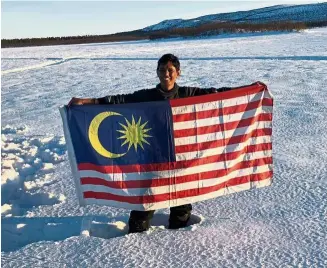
[79,101]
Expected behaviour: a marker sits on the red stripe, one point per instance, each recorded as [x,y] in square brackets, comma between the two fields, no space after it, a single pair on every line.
[222,111]
[221,127]
[179,194]
[236,92]
[156,182]
[222,142]
[175,165]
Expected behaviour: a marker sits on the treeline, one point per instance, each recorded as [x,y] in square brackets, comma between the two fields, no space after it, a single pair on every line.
[213,28]
[69,40]
[216,28]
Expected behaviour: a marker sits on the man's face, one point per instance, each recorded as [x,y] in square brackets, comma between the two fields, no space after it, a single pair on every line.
[167,74]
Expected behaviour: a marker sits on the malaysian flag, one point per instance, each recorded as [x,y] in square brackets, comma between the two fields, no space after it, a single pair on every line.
[152,155]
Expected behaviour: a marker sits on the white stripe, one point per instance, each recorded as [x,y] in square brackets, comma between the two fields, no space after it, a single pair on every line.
[222,134]
[175,173]
[117,204]
[176,187]
[223,149]
[227,118]
[218,104]
[181,201]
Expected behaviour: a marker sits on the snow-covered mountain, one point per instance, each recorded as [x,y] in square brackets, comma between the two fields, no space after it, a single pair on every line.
[300,13]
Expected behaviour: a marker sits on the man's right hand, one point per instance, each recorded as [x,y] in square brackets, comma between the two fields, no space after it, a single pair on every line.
[79,101]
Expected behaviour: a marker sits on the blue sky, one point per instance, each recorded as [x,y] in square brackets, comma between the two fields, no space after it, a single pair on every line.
[25,19]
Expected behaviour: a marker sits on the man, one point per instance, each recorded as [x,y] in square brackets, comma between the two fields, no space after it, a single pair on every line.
[168,70]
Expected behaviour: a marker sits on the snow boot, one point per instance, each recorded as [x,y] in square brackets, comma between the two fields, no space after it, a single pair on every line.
[139,221]
[179,216]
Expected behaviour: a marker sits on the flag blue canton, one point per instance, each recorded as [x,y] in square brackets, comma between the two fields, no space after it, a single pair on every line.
[125,134]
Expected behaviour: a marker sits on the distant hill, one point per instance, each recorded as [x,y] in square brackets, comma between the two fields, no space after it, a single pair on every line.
[273,18]
[295,13]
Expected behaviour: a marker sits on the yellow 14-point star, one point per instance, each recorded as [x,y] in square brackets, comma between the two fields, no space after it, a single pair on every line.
[134,133]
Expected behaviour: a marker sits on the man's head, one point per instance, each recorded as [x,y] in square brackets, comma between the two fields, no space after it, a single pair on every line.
[168,69]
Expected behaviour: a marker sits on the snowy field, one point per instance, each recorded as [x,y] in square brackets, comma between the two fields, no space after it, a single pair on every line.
[284,225]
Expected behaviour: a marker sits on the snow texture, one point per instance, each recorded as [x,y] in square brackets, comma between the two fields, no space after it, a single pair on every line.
[279,226]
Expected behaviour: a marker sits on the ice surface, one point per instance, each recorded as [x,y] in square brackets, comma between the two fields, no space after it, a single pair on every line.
[279,226]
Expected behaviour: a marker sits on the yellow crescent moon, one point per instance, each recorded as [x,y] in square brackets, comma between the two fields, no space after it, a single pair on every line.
[94,135]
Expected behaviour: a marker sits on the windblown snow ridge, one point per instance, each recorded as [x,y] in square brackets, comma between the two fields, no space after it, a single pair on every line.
[28,163]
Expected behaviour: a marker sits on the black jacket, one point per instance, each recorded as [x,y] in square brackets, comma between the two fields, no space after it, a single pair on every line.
[157,94]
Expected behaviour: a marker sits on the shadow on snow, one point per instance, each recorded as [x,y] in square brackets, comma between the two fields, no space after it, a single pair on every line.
[18,232]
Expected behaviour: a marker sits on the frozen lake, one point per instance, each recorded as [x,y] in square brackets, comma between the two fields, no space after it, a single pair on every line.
[284,225]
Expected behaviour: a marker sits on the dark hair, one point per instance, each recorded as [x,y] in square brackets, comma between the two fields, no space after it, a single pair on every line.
[169,58]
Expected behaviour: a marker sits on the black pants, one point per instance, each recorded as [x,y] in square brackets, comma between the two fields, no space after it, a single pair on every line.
[139,221]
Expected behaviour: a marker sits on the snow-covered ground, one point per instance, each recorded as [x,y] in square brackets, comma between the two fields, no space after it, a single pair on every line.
[284,225]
